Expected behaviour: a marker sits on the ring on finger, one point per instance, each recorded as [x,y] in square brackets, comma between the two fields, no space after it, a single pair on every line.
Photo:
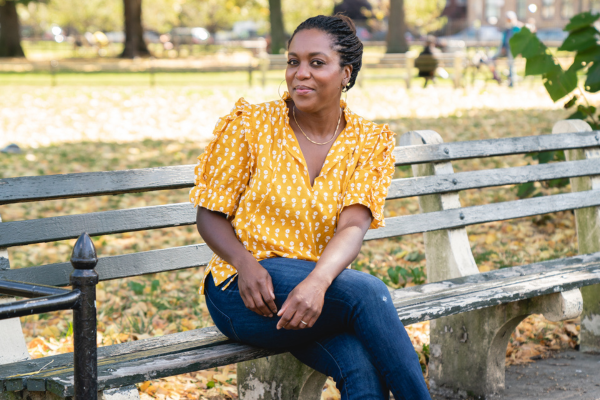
[303,322]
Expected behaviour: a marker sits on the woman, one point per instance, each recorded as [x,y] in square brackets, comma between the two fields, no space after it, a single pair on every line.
[286,192]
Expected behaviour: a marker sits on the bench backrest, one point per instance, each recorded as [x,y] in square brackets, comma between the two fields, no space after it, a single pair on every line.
[39,188]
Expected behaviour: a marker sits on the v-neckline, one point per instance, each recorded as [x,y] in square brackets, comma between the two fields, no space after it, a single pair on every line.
[302,158]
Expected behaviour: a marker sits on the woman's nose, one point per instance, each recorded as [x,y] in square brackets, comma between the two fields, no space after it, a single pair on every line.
[303,71]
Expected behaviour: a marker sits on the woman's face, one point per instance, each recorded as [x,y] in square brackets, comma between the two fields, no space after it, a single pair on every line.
[313,75]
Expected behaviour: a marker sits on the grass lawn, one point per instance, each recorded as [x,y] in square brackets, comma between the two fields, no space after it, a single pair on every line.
[82,129]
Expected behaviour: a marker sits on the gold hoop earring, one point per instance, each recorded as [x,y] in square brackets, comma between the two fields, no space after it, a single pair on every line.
[279,90]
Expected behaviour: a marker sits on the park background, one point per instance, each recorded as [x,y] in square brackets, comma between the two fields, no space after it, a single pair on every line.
[110,85]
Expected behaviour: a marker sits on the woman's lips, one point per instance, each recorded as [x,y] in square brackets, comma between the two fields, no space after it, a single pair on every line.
[303,90]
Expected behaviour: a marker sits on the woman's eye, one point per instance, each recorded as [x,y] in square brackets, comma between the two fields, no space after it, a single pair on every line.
[291,62]
[318,62]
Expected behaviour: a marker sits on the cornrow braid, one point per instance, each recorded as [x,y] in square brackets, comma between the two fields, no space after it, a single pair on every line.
[345,42]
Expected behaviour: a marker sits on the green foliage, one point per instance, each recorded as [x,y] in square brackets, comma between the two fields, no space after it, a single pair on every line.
[138,288]
[416,275]
[560,83]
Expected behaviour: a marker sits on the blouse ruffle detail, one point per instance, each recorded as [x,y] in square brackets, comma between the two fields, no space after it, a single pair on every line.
[373,175]
[219,181]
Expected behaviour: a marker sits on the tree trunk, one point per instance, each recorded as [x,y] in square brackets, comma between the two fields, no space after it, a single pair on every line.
[396,39]
[10,31]
[277,31]
[135,46]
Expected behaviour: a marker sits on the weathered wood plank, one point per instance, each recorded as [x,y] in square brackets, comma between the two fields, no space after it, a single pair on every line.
[407,155]
[448,219]
[157,367]
[41,367]
[19,233]
[401,188]
[116,267]
[34,188]
[447,298]
[100,223]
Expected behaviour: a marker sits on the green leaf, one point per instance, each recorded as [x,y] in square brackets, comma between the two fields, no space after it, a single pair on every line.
[580,40]
[592,83]
[581,21]
[570,103]
[137,288]
[540,64]
[559,83]
[583,58]
[525,190]
[576,115]
[526,43]
[545,156]
[587,111]
[393,273]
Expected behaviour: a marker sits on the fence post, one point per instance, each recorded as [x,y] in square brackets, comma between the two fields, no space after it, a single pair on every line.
[264,67]
[53,68]
[410,66]
[458,69]
[84,278]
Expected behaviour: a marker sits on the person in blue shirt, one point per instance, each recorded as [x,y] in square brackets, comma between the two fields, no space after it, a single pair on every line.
[513,26]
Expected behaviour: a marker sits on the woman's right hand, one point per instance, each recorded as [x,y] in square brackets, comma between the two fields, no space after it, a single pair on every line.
[256,288]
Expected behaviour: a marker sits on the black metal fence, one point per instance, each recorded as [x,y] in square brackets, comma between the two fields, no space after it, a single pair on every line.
[82,300]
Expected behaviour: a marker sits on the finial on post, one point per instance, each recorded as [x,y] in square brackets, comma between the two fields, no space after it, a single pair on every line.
[84,253]
[85,357]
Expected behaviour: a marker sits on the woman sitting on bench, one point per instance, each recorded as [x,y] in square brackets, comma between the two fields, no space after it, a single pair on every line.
[286,192]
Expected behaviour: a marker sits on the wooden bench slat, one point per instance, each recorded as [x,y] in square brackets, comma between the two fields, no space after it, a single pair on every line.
[407,155]
[19,233]
[140,370]
[34,188]
[409,187]
[41,230]
[460,217]
[18,375]
[116,267]
[48,187]
[415,304]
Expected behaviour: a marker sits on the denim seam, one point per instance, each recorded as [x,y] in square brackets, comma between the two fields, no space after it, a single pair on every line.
[228,319]
[338,365]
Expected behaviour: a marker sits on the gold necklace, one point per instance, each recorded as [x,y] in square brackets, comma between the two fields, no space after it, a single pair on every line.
[312,141]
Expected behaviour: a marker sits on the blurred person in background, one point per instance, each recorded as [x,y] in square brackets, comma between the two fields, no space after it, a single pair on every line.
[512,26]
[426,62]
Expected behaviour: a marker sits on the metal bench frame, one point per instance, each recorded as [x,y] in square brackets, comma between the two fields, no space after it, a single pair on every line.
[472,314]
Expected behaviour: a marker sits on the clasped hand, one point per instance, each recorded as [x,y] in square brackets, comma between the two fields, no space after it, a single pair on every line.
[304,303]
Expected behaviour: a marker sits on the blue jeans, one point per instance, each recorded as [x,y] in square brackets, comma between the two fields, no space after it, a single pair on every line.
[358,339]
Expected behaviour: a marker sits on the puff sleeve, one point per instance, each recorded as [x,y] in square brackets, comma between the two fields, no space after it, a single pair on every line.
[372,177]
[223,170]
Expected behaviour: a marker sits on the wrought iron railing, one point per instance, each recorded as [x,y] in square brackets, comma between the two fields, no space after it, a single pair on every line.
[82,300]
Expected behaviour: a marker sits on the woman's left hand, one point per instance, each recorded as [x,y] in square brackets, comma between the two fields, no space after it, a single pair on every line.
[303,304]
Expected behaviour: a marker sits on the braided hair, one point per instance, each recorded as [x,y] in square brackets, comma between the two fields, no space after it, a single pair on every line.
[344,40]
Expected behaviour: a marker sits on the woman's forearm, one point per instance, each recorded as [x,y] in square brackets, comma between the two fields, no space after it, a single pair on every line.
[219,235]
[345,245]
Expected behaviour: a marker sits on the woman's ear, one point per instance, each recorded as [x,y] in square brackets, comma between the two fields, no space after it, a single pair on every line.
[347,72]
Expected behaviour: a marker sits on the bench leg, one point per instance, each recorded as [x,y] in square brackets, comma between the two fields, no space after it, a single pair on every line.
[278,377]
[468,350]
[588,234]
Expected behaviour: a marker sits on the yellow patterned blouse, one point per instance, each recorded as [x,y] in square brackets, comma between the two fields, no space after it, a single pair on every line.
[254,172]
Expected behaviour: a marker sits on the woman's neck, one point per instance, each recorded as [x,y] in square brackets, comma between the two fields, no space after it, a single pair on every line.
[319,124]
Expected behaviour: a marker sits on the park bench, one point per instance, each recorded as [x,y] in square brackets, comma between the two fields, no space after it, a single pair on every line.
[472,313]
